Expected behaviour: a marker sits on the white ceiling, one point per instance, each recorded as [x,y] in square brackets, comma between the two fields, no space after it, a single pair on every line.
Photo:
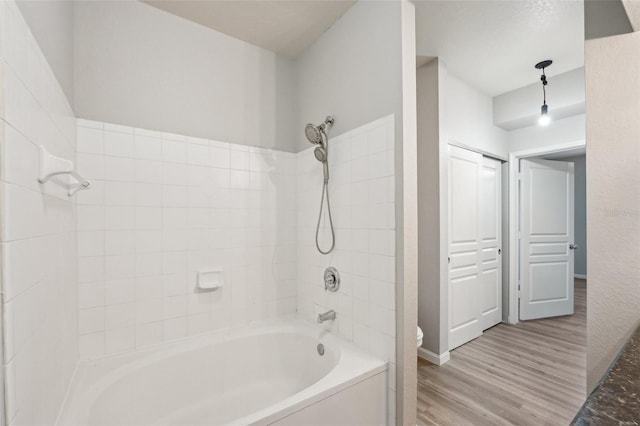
[493,45]
[287,27]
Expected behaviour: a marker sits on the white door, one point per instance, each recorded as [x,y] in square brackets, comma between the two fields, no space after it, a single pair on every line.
[490,297]
[546,238]
[464,246]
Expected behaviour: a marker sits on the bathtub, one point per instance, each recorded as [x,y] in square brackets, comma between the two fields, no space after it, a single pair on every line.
[264,374]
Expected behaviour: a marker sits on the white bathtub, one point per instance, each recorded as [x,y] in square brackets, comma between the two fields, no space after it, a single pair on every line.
[258,375]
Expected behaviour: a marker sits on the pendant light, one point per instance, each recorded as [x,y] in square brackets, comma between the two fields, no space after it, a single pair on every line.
[544,110]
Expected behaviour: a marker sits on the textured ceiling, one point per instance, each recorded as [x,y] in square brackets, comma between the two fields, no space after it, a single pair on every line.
[284,26]
[494,45]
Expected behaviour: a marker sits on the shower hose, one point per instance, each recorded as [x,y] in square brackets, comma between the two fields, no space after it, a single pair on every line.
[325,194]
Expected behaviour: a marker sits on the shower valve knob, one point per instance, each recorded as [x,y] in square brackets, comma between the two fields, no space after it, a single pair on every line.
[331,279]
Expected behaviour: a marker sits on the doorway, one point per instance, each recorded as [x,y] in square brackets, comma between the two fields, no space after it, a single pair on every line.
[544,222]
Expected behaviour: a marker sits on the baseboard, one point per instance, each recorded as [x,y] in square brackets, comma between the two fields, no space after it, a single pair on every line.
[580,276]
[433,358]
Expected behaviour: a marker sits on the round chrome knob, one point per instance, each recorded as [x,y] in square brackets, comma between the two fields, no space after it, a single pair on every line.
[331,279]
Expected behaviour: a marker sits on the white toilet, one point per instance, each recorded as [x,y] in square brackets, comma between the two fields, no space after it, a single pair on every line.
[420,335]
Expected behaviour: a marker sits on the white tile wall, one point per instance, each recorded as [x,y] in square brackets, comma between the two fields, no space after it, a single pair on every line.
[361,188]
[37,231]
[163,206]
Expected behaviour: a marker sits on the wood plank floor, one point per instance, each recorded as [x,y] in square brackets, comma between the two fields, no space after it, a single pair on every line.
[529,374]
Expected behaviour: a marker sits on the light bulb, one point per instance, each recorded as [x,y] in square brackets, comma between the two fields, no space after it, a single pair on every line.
[544,119]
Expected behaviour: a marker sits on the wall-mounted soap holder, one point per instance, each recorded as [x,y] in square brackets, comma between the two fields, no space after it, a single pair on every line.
[210,279]
[50,166]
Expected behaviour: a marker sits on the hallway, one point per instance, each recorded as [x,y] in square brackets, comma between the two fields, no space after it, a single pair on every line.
[529,374]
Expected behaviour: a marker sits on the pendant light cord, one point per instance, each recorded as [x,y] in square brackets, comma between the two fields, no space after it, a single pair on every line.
[543,78]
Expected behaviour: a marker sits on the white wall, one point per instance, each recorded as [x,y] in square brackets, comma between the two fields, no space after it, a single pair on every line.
[136,65]
[567,130]
[164,206]
[362,199]
[37,231]
[470,119]
[613,197]
[52,23]
[521,107]
[353,71]
[431,130]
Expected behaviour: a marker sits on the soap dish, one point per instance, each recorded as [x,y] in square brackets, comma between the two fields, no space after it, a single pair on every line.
[211,279]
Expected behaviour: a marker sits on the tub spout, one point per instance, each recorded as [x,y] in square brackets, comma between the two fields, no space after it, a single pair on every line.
[329,315]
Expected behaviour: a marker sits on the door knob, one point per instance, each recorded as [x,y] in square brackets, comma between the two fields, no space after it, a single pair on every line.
[573,246]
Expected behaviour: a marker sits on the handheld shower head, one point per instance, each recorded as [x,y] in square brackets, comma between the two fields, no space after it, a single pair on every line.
[320,153]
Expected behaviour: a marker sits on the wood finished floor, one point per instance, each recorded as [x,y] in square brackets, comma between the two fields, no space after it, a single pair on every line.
[529,374]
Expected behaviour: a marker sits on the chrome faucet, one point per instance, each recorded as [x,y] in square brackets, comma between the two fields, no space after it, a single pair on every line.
[329,315]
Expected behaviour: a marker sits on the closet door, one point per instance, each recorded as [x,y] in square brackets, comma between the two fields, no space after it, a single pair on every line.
[475,245]
[491,236]
[464,246]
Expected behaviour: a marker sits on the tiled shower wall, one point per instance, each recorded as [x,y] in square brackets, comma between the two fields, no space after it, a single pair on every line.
[163,207]
[38,231]
[361,188]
